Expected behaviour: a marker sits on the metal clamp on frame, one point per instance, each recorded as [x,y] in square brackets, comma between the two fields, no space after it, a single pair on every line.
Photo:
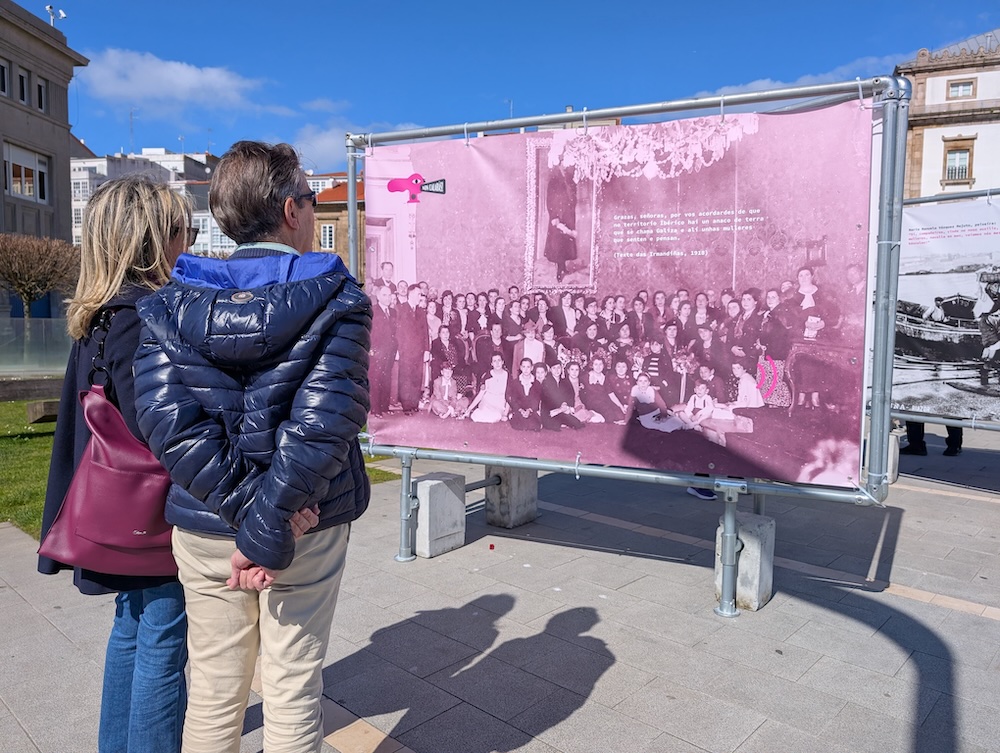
[731,545]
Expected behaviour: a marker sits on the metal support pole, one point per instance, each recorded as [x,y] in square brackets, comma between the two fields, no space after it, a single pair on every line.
[802,491]
[730,546]
[848,89]
[354,258]
[895,103]
[407,504]
[965,423]
[493,480]
[759,503]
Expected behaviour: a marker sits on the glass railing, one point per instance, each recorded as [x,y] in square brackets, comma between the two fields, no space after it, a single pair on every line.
[33,346]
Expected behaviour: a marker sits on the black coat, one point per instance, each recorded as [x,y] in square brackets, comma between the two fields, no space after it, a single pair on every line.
[72,433]
[251,384]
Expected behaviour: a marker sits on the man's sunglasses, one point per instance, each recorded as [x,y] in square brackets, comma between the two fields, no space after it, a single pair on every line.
[311,195]
[192,234]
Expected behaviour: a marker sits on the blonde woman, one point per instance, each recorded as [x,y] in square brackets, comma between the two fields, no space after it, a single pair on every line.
[133,231]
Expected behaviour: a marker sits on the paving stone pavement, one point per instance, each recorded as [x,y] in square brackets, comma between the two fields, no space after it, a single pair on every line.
[591,629]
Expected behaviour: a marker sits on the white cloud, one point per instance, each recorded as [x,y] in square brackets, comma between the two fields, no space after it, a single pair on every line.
[323,146]
[140,78]
[325,105]
[865,67]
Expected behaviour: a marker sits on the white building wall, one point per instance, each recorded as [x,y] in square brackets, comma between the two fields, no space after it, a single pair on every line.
[987,86]
[87,174]
[985,159]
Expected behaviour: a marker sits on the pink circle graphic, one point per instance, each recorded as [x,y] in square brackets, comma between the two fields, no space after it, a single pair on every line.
[765,377]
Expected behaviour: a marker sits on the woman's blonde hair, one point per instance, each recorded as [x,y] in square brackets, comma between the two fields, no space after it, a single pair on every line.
[127,227]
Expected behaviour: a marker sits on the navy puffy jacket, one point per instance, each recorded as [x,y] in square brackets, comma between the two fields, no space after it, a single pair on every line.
[251,385]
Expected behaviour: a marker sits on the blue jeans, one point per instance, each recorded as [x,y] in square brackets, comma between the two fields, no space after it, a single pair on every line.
[145,694]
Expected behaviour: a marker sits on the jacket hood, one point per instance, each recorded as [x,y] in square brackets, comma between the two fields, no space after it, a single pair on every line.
[248,311]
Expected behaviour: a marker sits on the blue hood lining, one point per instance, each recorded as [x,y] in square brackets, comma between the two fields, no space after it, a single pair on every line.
[249,273]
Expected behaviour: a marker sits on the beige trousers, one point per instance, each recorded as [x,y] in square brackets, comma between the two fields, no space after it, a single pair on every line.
[288,624]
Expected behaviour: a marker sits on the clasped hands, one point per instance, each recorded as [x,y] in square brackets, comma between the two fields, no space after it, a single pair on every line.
[247,575]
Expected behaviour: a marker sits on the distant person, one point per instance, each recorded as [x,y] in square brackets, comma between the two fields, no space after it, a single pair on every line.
[413,345]
[561,234]
[856,282]
[915,444]
[383,350]
[385,281]
[936,313]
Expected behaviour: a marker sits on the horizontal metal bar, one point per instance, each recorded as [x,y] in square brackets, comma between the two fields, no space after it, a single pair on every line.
[965,423]
[491,481]
[953,196]
[866,88]
[855,496]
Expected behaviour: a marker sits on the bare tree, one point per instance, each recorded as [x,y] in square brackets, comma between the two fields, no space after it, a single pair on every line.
[32,267]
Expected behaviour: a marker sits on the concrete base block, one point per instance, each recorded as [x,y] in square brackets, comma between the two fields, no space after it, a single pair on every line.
[440,514]
[755,566]
[515,501]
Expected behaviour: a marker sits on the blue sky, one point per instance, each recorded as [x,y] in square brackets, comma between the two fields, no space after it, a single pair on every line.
[213,72]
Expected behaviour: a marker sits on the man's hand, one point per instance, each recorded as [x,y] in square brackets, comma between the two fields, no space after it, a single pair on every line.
[246,575]
[304,520]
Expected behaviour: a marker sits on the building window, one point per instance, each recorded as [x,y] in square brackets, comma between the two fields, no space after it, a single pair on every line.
[26,174]
[221,245]
[957,164]
[42,95]
[81,190]
[77,217]
[959,156]
[326,237]
[22,87]
[964,89]
[4,78]
[204,225]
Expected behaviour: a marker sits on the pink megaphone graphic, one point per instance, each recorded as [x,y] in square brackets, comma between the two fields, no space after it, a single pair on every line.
[409,185]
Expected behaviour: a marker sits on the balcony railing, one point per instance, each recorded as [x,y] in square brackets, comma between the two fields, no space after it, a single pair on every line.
[956,172]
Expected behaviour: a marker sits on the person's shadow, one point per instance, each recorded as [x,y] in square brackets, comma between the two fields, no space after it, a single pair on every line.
[434,684]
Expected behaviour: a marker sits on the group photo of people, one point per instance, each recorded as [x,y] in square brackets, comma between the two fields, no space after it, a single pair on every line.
[669,360]
[667,296]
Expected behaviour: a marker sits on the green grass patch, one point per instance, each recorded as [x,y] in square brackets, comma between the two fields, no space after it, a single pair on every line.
[377,475]
[24,467]
[25,450]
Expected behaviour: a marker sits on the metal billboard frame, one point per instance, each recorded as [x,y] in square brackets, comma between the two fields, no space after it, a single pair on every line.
[892,95]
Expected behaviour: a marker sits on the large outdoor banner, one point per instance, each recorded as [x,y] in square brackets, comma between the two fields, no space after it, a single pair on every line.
[948,311]
[688,295]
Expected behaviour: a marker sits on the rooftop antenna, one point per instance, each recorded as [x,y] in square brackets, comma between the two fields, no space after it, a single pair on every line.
[54,14]
[131,130]
[511,103]
[181,139]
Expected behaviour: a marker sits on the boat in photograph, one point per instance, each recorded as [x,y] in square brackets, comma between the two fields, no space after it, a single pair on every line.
[957,338]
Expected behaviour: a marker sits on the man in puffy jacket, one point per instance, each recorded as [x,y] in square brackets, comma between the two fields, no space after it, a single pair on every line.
[251,387]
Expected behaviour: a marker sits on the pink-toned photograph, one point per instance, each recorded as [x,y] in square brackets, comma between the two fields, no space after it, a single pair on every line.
[686,296]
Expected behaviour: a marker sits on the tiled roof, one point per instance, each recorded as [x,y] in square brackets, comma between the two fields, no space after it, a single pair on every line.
[338,194]
[988,41]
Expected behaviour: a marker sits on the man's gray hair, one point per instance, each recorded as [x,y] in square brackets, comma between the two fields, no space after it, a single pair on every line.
[249,189]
